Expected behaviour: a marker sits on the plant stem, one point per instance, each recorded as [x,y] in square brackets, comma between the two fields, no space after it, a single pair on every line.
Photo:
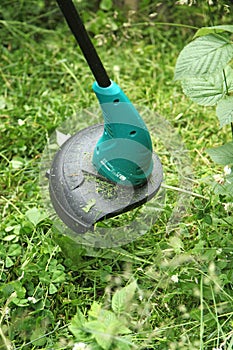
[227,93]
[225,82]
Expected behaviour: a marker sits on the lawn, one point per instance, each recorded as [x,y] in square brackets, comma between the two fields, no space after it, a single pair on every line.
[170,288]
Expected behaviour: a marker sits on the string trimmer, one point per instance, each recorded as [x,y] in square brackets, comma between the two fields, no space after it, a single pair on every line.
[117,152]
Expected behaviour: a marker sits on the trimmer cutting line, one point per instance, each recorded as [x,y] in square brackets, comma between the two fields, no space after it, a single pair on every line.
[118,152]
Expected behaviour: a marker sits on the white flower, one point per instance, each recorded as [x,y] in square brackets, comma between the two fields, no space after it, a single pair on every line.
[32,299]
[227,170]
[7,311]
[182,2]
[116,69]
[175,278]
[81,346]
[185,2]
[21,122]
[228,206]
[219,179]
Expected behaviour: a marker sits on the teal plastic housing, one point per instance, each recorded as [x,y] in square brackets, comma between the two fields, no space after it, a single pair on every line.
[123,154]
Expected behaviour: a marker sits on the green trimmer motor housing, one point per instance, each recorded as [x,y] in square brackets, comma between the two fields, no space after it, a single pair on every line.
[119,151]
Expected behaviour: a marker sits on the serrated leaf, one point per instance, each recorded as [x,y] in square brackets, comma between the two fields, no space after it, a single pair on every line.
[214,30]
[224,111]
[206,91]
[222,154]
[123,345]
[209,90]
[107,317]
[77,327]
[122,297]
[77,323]
[204,55]
[122,329]
[100,333]
[37,337]
[115,327]
[228,75]
[94,311]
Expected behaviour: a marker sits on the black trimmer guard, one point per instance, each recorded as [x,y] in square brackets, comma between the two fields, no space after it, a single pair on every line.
[80,196]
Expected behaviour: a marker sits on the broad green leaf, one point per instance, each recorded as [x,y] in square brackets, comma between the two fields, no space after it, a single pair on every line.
[214,30]
[3,103]
[14,250]
[209,89]
[122,329]
[222,154]
[228,75]
[94,311]
[9,262]
[224,111]
[77,323]
[19,289]
[122,297]
[106,5]
[107,317]
[100,332]
[121,344]
[35,215]
[69,249]
[37,337]
[44,277]
[58,276]
[106,328]
[204,55]
[20,302]
[206,91]
[177,244]
[17,163]
[52,288]
[104,340]
[9,238]
[77,327]
[113,324]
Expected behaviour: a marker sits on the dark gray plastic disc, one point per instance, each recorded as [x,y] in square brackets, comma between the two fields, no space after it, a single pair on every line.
[80,196]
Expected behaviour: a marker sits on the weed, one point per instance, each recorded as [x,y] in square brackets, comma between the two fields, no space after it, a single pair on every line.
[183,295]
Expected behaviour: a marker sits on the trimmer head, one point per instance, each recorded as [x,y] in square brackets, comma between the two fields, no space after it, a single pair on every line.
[81,196]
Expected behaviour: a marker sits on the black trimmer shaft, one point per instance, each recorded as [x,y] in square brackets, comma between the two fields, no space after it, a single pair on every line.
[75,23]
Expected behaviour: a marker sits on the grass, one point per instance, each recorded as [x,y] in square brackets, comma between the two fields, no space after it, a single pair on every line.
[184,298]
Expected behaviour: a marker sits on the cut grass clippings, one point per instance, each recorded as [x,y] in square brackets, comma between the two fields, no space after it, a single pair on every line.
[183,299]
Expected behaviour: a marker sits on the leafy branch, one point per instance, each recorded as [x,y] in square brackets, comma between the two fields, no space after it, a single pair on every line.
[106,329]
[204,67]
